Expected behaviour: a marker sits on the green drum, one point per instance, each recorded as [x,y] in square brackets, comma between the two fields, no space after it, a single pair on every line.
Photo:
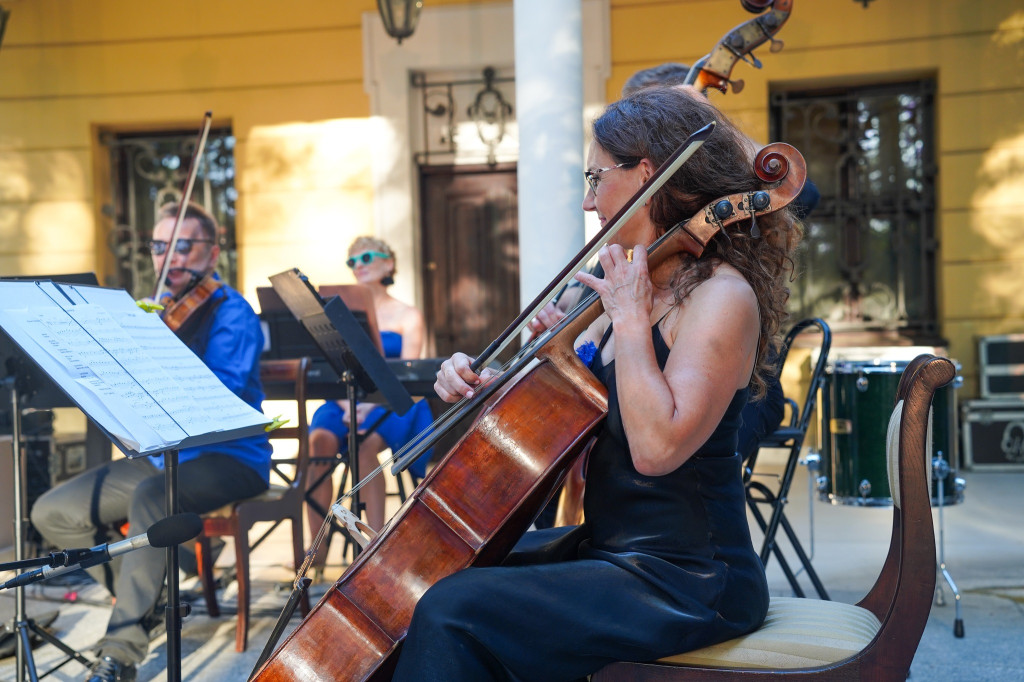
[860,399]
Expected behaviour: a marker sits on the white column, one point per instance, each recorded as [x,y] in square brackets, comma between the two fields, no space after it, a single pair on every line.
[549,111]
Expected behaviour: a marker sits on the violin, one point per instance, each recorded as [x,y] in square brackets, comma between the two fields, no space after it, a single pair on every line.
[477,502]
[182,311]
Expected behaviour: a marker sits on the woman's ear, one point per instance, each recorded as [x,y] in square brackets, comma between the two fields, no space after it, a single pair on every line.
[646,169]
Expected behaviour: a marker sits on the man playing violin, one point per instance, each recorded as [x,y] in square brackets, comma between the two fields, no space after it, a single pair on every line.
[222,329]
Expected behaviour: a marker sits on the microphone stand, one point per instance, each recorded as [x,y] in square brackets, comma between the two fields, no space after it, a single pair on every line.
[23,626]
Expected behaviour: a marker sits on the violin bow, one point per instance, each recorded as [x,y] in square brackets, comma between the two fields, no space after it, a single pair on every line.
[680,156]
[714,68]
[193,171]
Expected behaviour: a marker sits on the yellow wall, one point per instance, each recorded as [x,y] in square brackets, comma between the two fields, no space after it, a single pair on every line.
[288,78]
[289,83]
[976,52]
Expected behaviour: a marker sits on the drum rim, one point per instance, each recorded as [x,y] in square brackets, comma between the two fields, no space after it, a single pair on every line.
[875,366]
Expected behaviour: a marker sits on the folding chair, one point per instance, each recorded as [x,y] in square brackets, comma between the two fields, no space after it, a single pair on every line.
[790,436]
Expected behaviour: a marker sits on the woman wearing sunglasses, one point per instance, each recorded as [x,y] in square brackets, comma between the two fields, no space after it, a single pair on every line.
[401,333]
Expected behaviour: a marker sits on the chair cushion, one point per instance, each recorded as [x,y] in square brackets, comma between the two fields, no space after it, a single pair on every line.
[274,493]
[797,633]
[892,452]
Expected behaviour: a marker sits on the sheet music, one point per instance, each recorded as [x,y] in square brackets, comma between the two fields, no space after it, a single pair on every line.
[206,393]
[122,366]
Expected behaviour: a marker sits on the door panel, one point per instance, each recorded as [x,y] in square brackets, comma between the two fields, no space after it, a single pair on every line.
[470,255]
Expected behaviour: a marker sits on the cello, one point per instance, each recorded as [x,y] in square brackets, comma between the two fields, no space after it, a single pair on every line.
[476,503]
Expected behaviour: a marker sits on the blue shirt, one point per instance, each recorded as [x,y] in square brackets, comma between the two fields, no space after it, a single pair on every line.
[230,346]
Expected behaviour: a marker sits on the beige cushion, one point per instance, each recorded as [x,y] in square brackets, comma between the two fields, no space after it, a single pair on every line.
[797,633]
[892,452]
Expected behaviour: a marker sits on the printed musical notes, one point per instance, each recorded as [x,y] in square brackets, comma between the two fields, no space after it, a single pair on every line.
[123,367]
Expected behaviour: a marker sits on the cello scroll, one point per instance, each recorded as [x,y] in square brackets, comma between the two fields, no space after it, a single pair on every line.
[776,163]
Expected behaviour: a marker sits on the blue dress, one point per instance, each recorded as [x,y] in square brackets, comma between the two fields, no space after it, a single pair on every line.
[396,430]
[662,565]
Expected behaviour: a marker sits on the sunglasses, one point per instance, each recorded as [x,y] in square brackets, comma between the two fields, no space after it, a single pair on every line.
[183,246]
[365,258]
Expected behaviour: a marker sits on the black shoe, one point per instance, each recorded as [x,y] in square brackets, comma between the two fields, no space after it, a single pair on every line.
[109,669]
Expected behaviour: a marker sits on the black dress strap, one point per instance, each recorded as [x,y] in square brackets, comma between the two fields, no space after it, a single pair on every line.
[608,332]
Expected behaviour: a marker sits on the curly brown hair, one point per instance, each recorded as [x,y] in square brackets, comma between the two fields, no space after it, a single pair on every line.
[651,124]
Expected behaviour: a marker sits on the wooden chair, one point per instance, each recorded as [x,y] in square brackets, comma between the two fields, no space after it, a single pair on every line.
[278,503]
[873,640]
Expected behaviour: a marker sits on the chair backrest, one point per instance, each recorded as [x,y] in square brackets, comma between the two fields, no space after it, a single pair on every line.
[802,418]
[292,371]
[901,596]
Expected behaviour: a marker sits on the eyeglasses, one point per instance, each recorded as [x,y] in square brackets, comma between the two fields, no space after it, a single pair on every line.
[183,246]
[594,177]
[366,257]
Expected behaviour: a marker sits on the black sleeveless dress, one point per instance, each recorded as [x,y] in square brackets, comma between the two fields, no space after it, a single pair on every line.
[662,565]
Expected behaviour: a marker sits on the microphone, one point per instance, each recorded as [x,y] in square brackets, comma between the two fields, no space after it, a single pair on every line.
[164,533]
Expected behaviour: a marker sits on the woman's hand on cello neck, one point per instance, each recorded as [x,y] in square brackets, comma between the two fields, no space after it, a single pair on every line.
[626,289]
[456,378]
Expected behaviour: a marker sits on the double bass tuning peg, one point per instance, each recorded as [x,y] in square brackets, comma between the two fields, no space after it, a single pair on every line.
[769,27]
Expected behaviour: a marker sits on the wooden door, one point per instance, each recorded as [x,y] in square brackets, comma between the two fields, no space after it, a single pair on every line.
[470,255]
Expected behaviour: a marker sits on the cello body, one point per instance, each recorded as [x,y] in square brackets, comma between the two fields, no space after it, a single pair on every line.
[469,511]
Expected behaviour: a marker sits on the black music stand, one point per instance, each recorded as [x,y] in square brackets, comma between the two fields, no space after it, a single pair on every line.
[156,346]
[30,388]
[350,352]
[360,366]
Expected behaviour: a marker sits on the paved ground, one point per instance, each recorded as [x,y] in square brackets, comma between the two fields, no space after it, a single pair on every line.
[984,550]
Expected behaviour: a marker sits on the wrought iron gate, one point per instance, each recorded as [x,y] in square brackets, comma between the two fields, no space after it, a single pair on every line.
[149,170]
[867,262]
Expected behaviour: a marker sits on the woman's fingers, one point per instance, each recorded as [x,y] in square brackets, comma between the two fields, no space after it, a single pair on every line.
[547,318]
[456,378]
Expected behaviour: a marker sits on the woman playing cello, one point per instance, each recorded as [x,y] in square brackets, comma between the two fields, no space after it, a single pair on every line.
[663,562]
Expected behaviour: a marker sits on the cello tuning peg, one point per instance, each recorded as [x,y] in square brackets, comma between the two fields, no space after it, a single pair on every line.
[776,46]
[755,231]
[737,86]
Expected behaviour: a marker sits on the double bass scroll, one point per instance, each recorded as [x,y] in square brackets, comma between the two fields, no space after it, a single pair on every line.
[714,69]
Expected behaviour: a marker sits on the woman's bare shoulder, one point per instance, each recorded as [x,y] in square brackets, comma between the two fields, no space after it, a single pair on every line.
[725,301]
